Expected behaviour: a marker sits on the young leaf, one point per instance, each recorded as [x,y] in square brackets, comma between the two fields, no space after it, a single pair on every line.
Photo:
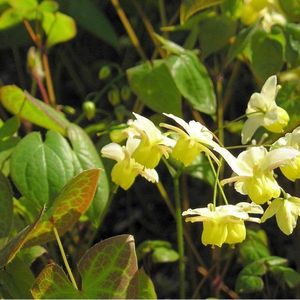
[190,7]
[106,271]
[47,167]
[154,86]
[9,251]
[58,28]
[164,255]
[6,206]
[118,262]
[58,285]
[192,80]
[286,274]
[25,106]
[141,287]
[249,284]
[73,201]
[9,18]
[88,158]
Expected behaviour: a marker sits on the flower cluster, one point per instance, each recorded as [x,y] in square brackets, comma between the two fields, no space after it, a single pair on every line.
[144,145]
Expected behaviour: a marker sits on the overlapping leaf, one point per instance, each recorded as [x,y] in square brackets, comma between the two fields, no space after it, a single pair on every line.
[108,270]
[73,201]
[22,104]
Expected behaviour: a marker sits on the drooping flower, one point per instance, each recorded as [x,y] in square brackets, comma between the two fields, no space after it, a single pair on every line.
[195,139]
[225,223]
[291,170]
[127,169]
[286,210]
[254,171]
[263,111]
[153,144]
[268,11]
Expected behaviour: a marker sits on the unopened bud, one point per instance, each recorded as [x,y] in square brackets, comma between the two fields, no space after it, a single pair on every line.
[104,72]
[34,62]
[89,109]
[114,96]
[125,92]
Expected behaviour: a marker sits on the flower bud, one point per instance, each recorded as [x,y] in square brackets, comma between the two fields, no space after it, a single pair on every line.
[104,72]
[114,96]
[125,92]
[292,170]
[248,14]
[89,109]
[34,62]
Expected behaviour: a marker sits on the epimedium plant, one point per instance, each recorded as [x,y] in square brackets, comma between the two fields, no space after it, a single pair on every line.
[54,178]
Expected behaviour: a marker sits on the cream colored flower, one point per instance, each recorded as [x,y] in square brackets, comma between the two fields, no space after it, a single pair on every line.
[225,223]
[127,169]
[287,211]
[254,170]
[194,139]
[153,144]
[263,111]
[291,170]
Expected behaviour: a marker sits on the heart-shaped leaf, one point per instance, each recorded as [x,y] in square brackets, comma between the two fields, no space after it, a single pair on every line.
[9,251]
[154,86]
[192,80]
[107,269]
[73,201]
[24,105]
[47,168]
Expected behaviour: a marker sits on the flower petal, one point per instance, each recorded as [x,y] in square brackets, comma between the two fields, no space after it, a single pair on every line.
[250,126]
[113,151]
[270,89]
[272,209]
[150,174]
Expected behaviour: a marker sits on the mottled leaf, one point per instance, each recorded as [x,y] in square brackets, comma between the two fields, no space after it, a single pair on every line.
[53,283]
[107,268]
[25,106]
[88,158]
[6,206]
[155,87]
[141,287]
[9,251]
[73,201]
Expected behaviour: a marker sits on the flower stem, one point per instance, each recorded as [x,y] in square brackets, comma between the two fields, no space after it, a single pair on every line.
[63,254]
[180,239]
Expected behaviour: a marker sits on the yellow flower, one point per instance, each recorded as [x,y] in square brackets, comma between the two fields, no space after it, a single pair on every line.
[254,170]
[153,144]
[126,169]
[286,210]
[263,111]
[225,223]
[291,169]
[195,139]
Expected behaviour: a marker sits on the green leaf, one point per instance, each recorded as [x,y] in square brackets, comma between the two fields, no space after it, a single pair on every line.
[215,33]
[190,7]
[141,287]
[154,86]
[25,106]
[267,56]
[106,271]
[53,283]
[16,280]
[253,248]
[192,80]
[73,201]
[10,127]
[97,23]
[240,43]
[24,4]
[88,158]
[148,246]
[48,6]
[10,17]
[286,274]
[291,8]
[40,169]
[6,206]
[58,28]
[164,255]
[249,284]
[6,148]
[9,251]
